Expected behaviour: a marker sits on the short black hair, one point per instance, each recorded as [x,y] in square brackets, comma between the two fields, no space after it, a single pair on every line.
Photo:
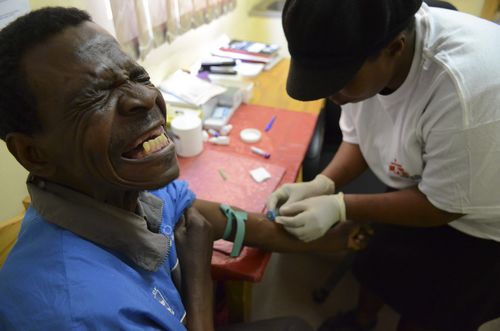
[17,102]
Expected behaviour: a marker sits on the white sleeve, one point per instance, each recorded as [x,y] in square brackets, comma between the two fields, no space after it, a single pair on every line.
[461,163]
[347,126]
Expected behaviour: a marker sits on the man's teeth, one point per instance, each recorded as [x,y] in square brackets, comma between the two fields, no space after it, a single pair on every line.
[155,144]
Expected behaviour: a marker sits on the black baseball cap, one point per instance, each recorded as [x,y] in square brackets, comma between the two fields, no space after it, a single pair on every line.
[329,40]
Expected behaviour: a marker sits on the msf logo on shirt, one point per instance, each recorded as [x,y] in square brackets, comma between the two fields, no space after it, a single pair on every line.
[159,297]
[397,169]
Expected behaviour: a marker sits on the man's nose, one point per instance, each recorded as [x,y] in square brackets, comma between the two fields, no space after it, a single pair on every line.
[137,98]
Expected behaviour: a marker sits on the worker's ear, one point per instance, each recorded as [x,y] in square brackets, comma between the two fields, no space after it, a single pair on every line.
[397,45]
[27,151]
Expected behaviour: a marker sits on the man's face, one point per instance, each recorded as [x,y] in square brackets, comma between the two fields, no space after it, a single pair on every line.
[102,119]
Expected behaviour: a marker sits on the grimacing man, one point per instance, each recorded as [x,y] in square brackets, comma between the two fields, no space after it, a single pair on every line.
[97,248]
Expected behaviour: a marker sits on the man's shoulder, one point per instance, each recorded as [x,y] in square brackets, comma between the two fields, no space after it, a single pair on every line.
[176,197]
[47,257]
[63,282]
[172,189]
[176,192]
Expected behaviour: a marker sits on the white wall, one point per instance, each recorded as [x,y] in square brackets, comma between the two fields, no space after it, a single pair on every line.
[193,45]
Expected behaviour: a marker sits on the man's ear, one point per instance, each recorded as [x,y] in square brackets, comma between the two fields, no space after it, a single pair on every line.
[27,152]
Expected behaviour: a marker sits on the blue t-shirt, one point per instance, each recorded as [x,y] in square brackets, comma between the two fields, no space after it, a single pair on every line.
[56,280]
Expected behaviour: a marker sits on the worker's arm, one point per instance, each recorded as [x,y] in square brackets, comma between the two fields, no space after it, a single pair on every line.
[347,164]
[267,235]
[408,207]
[312,217]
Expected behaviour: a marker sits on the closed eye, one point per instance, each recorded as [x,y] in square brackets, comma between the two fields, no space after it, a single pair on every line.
[91,98]
[140,75]
[143,79]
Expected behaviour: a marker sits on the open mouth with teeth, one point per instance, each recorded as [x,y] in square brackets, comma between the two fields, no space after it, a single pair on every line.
[152,144]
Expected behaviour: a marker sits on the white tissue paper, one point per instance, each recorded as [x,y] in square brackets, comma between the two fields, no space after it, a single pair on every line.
[260,174]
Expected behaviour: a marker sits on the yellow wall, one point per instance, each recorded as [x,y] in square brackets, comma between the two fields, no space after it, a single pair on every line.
[13,187]
[12,175]
[473,7]
[161,62]
[37,4]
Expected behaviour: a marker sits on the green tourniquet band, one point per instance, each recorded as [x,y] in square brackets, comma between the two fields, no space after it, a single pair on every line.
[240,217]
[226,209]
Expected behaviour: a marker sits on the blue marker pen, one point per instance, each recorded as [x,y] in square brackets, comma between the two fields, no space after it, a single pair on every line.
[260,152]
[270,124]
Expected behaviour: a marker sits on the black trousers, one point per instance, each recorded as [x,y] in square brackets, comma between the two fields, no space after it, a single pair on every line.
[438,278]
[275,324]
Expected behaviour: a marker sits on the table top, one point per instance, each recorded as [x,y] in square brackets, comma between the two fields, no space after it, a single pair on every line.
[287,142]
[270,91]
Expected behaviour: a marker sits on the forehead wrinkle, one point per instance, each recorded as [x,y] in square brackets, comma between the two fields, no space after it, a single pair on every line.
[104,60]
[93,60]
[107,72]
[96,46]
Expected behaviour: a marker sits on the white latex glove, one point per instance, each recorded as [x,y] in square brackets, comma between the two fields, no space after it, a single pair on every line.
[290,193]
[309,219]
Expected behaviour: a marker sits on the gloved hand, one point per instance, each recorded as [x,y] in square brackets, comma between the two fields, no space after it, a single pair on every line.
[309,219]
[290,193]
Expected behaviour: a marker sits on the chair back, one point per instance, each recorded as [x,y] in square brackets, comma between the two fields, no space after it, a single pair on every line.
[9,230]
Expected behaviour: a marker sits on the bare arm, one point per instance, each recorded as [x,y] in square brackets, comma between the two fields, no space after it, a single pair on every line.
[347,164]
[267,235]
[408,207]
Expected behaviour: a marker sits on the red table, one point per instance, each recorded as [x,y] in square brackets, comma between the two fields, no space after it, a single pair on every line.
[287,142]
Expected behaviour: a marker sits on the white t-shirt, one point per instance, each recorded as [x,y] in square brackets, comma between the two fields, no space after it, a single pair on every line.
[440,129]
